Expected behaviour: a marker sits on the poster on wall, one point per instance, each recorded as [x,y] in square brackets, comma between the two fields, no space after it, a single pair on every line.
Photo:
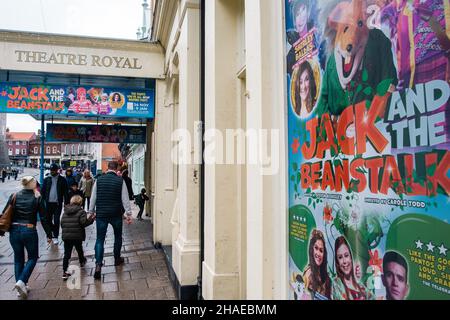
[368,128]
[96,133]
[76,101]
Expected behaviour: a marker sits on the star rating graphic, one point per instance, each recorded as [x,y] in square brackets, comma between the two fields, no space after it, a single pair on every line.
[430,247]
[419,244]
[442,250]
[300,219]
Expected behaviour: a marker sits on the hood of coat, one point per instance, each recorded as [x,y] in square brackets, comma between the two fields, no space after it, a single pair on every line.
[71,209]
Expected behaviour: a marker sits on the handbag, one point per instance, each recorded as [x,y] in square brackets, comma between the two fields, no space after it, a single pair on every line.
[6,217]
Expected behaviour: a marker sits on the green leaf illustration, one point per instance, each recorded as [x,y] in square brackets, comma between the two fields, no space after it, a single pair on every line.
[383,87]
[368,91]
[365,75]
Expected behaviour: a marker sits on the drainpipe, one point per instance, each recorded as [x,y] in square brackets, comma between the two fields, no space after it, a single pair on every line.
[202,166]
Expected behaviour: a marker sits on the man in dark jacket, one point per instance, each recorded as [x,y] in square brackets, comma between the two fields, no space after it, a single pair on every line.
[69,177]
[109,196]
[54,192]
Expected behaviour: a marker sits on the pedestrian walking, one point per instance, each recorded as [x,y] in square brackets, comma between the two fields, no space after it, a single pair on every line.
[3,175]
[86,184]
[54,192]
[129,184]
[23,236]
[69,177]
[74,191]
[16,173]
[109,196]
[73,224]
[140,201]
[77,175]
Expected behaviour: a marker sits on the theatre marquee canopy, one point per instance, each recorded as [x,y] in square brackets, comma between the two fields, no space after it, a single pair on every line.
[80,55]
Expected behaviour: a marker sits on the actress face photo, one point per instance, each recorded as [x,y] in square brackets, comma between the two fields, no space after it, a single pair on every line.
[304,86]
[344,259]
[318,252]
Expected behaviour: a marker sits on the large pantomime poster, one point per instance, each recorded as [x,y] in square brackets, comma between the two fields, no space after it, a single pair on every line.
[368,128]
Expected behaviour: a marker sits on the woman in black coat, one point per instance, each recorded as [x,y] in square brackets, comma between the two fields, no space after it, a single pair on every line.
[23,235]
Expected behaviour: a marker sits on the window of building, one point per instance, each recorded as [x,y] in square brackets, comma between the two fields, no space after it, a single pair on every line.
[17,152]
[17,143]
[24,151]
[79,148]
[24,143]
[55,150]
[10,152]
[65,149]
[35,150]
[48,150]
[10,143]
[72,149]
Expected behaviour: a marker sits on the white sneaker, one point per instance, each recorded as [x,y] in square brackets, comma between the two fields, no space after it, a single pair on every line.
[55,241]
[28,291]
[21,289]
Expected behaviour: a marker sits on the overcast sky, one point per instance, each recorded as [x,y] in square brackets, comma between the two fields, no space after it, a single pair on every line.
[97,18]
[100,18]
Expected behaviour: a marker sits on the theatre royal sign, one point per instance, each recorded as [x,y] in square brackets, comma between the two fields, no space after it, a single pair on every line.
[92,60]
[66,54]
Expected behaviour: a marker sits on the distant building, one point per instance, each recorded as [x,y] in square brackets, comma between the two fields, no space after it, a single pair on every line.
[136,165]
[52,152]
[18,146]
[4,159]
[110,152]
[80,155]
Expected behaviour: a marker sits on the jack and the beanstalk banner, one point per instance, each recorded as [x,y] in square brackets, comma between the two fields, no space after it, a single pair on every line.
[76,101]
[96,133]
[368,109]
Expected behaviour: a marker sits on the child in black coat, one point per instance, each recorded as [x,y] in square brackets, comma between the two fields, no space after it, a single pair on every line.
[140,202]
[73,223]
[74,191]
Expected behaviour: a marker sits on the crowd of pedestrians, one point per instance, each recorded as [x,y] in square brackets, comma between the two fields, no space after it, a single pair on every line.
[8,173]
[70,203]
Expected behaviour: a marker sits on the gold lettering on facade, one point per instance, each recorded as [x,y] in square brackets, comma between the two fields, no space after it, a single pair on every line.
[42,57]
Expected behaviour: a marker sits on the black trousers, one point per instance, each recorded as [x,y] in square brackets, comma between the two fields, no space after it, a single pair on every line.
[54,217]
[141,210]
[68,247]
[88,199]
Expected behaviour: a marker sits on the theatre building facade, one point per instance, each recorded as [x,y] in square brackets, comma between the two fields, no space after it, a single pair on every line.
[343,107]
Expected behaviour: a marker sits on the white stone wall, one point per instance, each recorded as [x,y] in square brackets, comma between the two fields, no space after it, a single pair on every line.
[246,212]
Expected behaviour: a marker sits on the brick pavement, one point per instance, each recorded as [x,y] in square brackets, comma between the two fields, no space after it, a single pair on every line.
[144,276]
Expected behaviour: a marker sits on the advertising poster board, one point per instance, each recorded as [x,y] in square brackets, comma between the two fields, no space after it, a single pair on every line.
[368,128]
[77,101]
[96,133]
